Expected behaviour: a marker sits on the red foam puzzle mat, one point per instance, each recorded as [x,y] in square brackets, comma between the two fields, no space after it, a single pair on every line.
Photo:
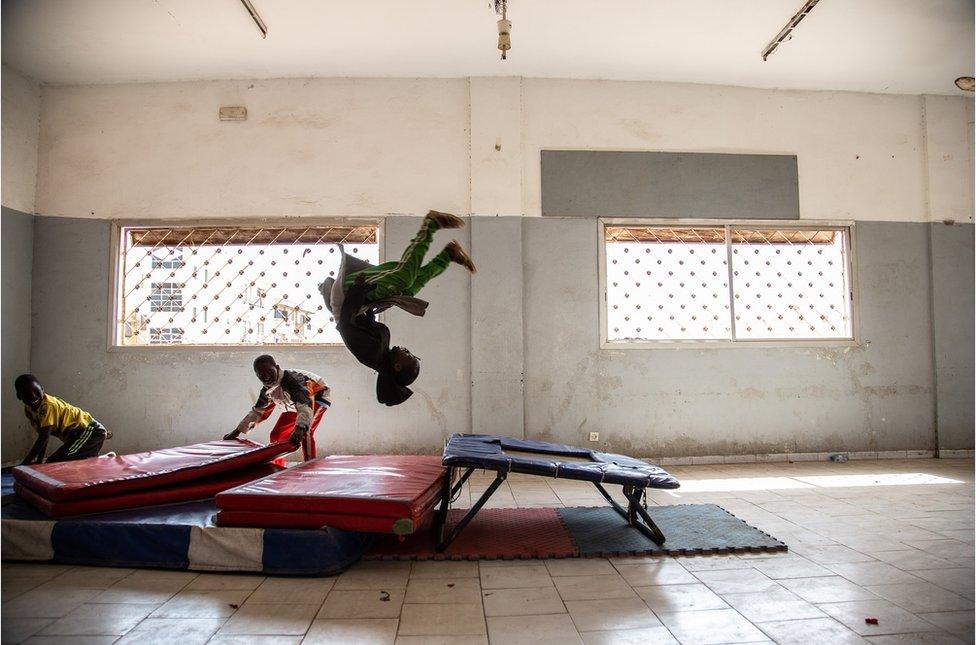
[184,492]
[375,486]
[493,534]
[114,475]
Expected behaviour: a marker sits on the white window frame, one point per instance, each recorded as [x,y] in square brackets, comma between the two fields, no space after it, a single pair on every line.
[114,330]
[855,341]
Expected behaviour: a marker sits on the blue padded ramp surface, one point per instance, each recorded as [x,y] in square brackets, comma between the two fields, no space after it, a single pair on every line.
[489,451]
[174,536]
[6,481]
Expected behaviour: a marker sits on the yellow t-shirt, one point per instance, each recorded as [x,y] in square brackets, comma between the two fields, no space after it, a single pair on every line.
[63,418]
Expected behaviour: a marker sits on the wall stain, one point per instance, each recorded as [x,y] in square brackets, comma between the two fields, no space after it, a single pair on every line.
[752,393]
[639,129]
[285,117]
[432,408]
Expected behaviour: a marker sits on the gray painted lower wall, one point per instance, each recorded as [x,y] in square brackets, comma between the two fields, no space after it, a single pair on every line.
[156,397]
[496,326]
[676,402]
[17,235]
[539,275]
[952,312]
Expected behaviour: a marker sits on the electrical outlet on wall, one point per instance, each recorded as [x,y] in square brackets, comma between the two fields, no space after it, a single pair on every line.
[594,436]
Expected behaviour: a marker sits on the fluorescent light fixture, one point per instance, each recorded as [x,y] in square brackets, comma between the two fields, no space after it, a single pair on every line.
[255,17]
[786,32]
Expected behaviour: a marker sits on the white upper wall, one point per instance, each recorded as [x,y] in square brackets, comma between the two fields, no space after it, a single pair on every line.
[338,147]
[369,147]
[949,158]
[21,109]
[859,156]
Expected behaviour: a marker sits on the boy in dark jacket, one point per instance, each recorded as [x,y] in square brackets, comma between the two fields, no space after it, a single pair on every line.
[362,290]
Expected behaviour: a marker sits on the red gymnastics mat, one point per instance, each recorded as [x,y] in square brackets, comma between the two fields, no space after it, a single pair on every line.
[359,523]
[372,493]
[104,476]
[183,492]
[493,534]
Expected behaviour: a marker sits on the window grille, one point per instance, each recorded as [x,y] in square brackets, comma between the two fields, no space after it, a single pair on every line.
[167,258]
[228,285]
[729,282]
[165,335]
[166,296]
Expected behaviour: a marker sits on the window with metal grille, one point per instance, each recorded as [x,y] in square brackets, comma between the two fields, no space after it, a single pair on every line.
[727,282]
[231,285]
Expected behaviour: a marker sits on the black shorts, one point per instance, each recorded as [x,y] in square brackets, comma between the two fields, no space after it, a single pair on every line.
[81,445]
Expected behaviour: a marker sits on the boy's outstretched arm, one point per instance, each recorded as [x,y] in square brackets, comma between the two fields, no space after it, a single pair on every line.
[39,449]
[303,407]
[261,411]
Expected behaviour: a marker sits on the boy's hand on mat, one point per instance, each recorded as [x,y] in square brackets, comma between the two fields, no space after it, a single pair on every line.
[233,434]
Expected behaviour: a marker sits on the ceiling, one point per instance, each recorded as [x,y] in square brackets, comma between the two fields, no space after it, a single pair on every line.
[896,46]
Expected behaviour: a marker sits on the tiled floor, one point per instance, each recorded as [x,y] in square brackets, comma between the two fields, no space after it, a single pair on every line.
[892,540]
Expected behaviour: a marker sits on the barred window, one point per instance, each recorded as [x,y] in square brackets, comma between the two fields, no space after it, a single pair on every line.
[231,285]
[727,282]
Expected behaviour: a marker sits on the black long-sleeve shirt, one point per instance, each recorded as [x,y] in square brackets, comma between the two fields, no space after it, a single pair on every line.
[366,338]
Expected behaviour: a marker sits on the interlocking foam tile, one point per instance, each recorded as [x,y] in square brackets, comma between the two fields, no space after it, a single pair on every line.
[689,529]
[493,534]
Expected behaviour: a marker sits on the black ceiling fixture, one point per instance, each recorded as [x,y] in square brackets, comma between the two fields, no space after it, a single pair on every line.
[786,33]
[504,27]
[255,17]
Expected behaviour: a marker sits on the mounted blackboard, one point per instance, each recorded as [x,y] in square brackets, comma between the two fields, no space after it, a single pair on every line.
[698,185]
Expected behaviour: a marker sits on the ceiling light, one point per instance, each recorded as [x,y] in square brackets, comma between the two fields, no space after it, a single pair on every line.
[255,17]
[504,27]
[965,83]
[786,33]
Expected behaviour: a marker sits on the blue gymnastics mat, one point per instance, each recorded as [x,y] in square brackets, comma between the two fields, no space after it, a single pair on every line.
[174,536]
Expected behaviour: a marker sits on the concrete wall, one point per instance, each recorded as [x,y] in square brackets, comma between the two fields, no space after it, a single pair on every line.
[953,287]
[676,402]
[16,254]
[379,146]
[538,275]
[338,147]
[153,397]
[353,147]
[859,155]
[21,99]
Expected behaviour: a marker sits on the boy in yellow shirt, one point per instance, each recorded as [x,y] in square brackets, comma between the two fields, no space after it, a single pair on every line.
[82,436]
